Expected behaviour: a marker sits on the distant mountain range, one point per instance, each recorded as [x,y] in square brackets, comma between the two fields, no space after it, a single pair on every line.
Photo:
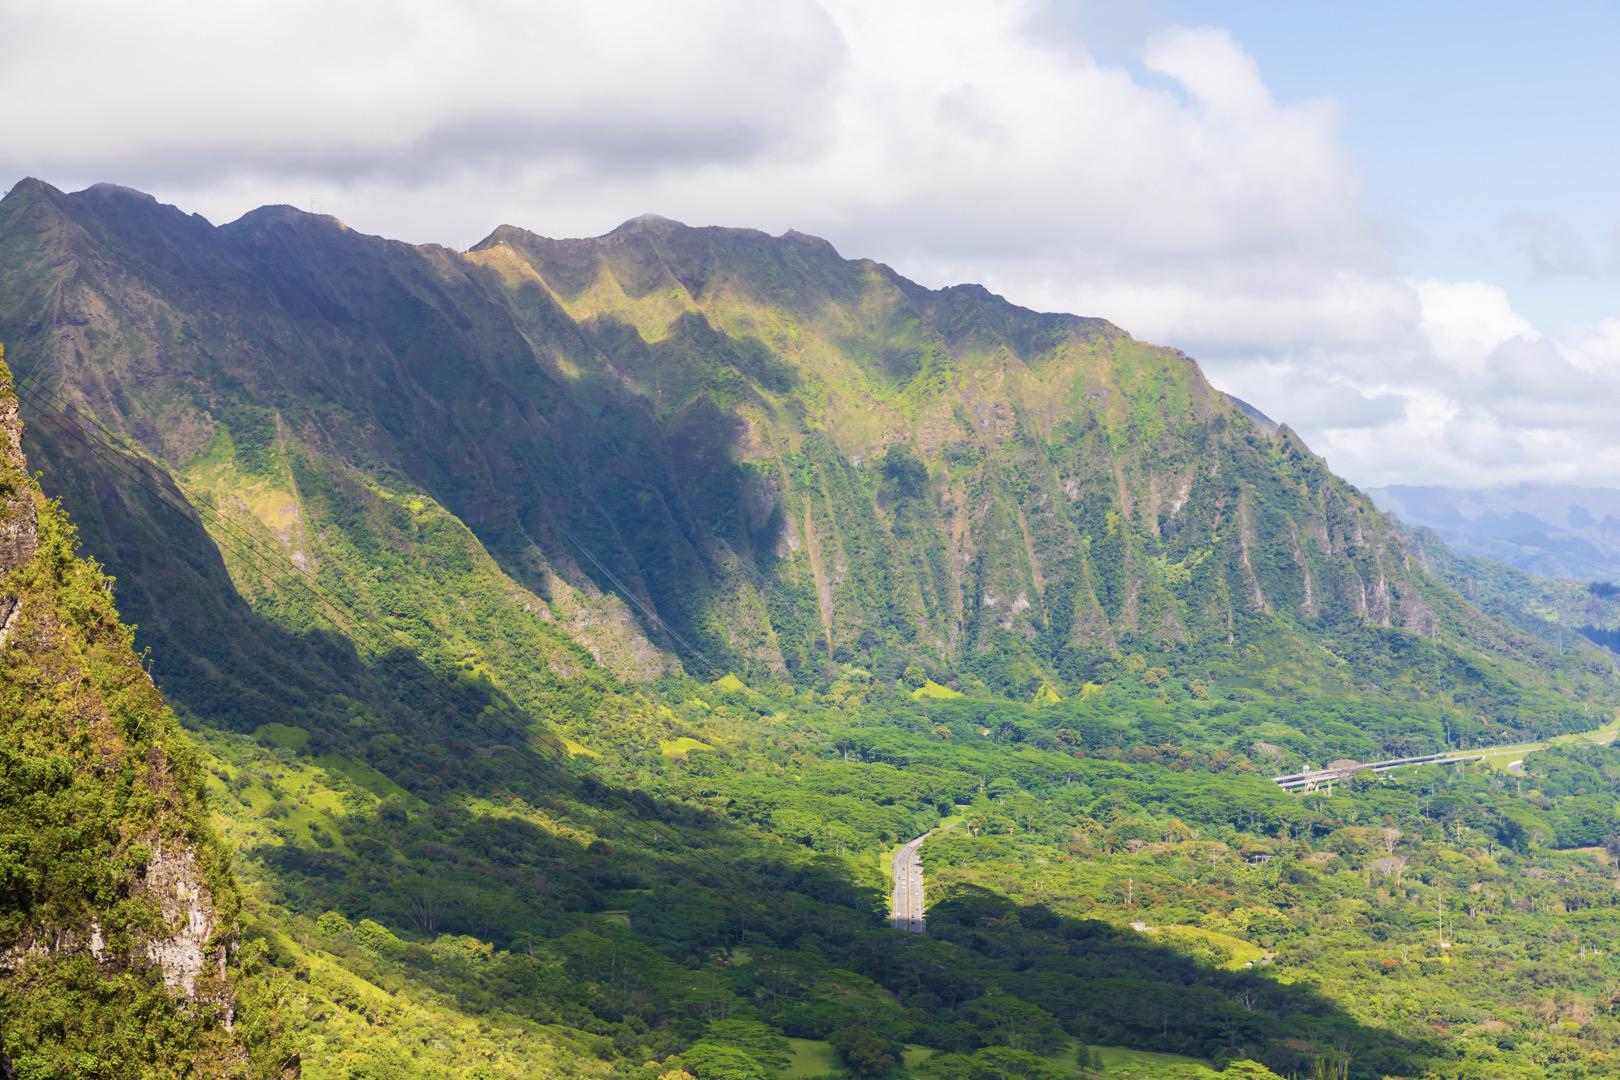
[1554,530]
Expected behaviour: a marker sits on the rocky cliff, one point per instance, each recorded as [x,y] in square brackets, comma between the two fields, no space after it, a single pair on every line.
[675,447]
[117,910]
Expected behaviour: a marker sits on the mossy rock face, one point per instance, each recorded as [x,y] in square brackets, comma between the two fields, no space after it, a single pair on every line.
[117,909]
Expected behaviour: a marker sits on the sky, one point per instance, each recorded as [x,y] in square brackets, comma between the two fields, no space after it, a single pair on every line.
[1392,226]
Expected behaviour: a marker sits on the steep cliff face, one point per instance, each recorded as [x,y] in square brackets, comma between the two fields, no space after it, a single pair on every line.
[117,911]
[19,522]
[946,473]
[675,446]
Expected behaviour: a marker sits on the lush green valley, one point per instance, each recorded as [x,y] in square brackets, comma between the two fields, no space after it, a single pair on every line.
[1553,609]
[565,630]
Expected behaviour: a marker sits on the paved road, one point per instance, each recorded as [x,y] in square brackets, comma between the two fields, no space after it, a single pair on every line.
[1311,779]
[906,907]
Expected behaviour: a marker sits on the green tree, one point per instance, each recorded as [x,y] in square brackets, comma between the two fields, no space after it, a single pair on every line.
[864,1051]
[710,1059]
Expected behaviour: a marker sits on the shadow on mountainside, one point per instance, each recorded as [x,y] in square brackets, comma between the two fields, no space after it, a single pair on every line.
[612,903]
[1114,987]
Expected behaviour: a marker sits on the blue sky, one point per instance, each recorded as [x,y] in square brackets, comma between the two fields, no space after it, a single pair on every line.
[1464,116]
[1391,226]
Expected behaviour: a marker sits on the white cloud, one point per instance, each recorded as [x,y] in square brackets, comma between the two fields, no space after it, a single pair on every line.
[955,140]
[405,90]
[1464,321]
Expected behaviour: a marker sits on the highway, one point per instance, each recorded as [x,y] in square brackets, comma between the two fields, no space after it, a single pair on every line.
[906,906]
[1308,781]
[1311,779]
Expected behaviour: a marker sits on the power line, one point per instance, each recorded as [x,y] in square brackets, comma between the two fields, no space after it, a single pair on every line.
[524,748]
[630,595]
[343,621]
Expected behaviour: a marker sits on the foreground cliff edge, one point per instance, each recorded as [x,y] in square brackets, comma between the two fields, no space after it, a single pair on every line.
[118,935]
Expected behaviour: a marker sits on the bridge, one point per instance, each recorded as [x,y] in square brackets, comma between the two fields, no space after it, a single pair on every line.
[1311,779]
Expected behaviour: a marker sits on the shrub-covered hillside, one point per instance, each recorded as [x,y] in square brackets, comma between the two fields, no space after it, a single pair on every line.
[118,914]
[671,446]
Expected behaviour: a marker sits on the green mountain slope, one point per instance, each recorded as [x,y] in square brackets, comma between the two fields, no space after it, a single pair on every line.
[672,446]
[567,628]
[1553,609]
[118,936]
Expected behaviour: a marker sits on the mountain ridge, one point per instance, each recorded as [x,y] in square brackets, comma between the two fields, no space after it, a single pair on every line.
[566,625]
[812,460]
[1552,530]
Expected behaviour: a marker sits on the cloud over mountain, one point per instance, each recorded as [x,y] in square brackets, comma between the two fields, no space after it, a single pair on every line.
[1176,196]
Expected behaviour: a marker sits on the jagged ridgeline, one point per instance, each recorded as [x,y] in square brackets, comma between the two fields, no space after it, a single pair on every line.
[709,448]
[117,908]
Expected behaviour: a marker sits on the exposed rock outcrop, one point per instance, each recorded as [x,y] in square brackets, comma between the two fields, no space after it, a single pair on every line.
[19,532]
[115,863]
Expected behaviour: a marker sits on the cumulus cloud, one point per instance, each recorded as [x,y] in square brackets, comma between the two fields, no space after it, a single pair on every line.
[1464,322]
[191,91]
[955,139]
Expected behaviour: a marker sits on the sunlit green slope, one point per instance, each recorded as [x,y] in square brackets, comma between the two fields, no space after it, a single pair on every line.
[568,627]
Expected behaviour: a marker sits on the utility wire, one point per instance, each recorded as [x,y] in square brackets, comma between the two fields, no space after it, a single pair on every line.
[524,747]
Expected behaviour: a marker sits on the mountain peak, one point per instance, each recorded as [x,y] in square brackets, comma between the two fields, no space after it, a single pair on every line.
[502,234]
[31,185]
[1261,420]
[106,190]
[649,223]
[808,240]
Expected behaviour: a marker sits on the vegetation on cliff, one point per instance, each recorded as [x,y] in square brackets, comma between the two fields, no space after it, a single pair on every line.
[117,907]
[566,628]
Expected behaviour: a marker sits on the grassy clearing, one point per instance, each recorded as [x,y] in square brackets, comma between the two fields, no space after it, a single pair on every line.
[916,1055]
[679,748]
[283,735]
[363,775]
[816,1058]
[932,689]
[1146,1065]
[811,1057]
[1243,952]
[577,749]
